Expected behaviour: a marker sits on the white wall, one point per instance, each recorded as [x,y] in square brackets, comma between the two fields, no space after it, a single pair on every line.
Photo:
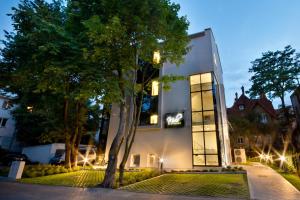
[42,153]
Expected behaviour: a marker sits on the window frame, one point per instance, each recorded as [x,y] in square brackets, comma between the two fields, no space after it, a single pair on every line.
[214,110]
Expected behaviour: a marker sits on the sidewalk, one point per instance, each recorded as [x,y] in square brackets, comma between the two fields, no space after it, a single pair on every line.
[266,184]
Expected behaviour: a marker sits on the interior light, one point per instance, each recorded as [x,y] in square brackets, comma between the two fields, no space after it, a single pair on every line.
[153,119]
[156,57]
[155,88]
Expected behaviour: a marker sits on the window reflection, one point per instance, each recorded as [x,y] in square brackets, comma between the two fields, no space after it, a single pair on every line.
[208,99]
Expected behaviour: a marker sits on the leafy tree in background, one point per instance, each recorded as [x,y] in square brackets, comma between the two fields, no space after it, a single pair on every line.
[275,73]
[43,64]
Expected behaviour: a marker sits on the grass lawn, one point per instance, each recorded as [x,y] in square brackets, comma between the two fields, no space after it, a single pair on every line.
[83,178]
[293,179]
[87,178]
[216,185]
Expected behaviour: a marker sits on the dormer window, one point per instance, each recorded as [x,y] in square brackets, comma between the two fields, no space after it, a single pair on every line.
[241,107]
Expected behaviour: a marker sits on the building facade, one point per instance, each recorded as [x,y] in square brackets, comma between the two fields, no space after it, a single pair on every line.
[185,127]
[7,124]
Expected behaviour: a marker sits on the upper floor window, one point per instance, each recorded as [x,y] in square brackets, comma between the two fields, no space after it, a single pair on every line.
[155,88]
[3,122]
[263,118]
[241,107]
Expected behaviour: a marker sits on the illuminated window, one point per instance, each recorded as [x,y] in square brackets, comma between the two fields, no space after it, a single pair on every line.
[195,83]
[211,143]
[199,160]
[198,143]
[155,88]
[204,135]
[153,119]
[156,57]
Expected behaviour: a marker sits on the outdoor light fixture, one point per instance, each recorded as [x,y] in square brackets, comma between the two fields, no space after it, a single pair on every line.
[161,160]
[261,156]
[282,158]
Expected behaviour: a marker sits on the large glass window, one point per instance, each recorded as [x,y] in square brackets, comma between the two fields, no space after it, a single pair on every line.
[205,147]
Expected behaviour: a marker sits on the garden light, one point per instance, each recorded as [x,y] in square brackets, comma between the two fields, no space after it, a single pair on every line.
[282,158]
[161,160]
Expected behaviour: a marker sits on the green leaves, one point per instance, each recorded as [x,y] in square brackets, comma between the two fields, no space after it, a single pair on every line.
[275,73]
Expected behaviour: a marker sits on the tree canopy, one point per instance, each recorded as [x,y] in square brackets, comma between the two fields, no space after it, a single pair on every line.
[275,73]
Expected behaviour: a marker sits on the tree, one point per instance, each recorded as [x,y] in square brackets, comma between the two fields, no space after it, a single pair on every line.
[44,58]
[121,33]
[275,73]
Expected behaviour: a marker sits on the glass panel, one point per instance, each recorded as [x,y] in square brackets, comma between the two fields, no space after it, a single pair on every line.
[212,160]
[209,127]
[196,101]
[197,118]
[211,143]
[195,79]
[206,82]
[208,103]
[155,88]
[156,57]
[206,78]
[195,88]
[199,160]
[197,128]
[209,117]
[195,83]
[198,143]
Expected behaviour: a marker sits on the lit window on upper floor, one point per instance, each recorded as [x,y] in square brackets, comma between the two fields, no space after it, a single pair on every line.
[156,57]
[241,107]
[153,119]
[155,88]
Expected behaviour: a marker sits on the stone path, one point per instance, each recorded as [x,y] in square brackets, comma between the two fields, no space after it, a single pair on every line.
[18,191]
[266,184]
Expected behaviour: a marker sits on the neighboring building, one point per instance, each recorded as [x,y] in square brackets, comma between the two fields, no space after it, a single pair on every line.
[185,127]
[264,113]
[7,124]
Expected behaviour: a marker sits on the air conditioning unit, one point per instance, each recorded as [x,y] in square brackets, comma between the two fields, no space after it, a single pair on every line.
[240,156]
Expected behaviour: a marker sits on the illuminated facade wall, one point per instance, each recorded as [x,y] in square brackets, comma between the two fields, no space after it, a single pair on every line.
[195,107]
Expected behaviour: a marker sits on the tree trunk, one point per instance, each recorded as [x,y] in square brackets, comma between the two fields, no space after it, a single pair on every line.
[130,138]
[67,135]
[74,148]
[110,172]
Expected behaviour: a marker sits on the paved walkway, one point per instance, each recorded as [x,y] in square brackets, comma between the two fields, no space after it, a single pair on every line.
[18,191]
[266,184]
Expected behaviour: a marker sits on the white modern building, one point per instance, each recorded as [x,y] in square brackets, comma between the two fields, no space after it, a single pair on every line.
[7,124]
[186,127]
